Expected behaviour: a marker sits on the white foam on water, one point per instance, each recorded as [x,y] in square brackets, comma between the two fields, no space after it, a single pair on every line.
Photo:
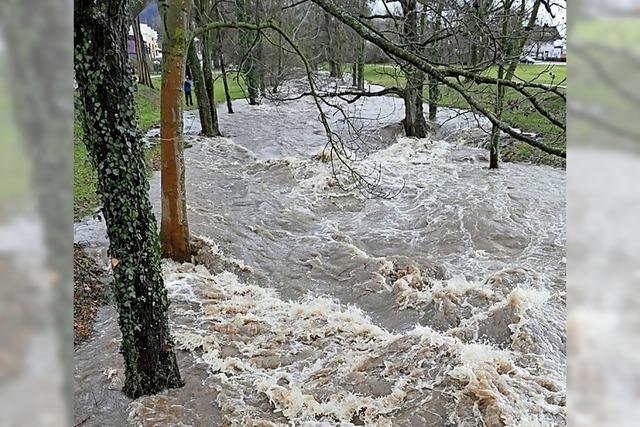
[318,361]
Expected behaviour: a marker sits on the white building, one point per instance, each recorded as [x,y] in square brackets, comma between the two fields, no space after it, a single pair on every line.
[150,37]
[545,43]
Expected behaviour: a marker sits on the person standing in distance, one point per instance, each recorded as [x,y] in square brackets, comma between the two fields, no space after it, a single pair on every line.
[187,92]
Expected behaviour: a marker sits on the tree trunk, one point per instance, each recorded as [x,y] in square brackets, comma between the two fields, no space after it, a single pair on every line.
[280,64]
[434,52]
[225,83]
[335,68]
[354,74]
[206,49]
[110,133]
[494,149]
[247,39]
[434,97]
[174,224]
[362,46]
[142,59]
[204,109]
[414,121]
[208,82]
[223,68]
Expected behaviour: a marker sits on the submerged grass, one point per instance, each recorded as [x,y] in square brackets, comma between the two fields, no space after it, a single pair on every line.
[518,111]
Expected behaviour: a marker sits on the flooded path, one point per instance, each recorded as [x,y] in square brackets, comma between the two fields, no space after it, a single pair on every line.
[441,306]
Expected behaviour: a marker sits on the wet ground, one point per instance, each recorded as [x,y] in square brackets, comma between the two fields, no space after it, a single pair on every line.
[441,306]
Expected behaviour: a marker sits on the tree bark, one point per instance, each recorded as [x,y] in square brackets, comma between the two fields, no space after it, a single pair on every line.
[208,83]
[223,68]
[494,148]
[279,66]
[174,224]
[362,46]
[414,121]
[225,83]
[204,109]
[354,73]
[110,133]
[206,49]
[247,39]
[434,53]
[335,68]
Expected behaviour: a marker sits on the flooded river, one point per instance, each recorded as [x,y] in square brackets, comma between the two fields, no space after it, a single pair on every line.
[442,306]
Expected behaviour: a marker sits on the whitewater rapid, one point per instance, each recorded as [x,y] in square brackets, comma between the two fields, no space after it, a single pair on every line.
[441,306]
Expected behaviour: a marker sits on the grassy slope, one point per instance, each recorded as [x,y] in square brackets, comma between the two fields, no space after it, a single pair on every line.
[148,103]
[519,112]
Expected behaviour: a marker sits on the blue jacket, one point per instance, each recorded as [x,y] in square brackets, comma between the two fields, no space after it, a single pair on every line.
[187,86]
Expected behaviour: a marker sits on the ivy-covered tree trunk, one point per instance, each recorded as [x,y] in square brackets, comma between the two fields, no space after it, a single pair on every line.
[174,224]
[204,109]
[103,74]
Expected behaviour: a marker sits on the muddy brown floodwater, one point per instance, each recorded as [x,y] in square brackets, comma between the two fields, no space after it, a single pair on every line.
[443,306]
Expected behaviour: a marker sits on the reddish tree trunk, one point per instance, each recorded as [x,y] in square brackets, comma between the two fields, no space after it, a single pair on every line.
[174,225]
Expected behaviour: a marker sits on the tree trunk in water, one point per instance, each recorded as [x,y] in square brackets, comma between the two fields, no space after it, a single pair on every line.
[174,224]
[362,46]
[335,68]
[434,96]
[414,121]
[494,149]
[208,82]
[260,69]
[204,109]
[434,53]
[110,133]
[280,64]
[223,68]
[225,83]
[354,74]
[142,60]
[247,39]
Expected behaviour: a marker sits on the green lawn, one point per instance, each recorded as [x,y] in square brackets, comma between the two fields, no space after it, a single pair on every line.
[518,112]
[148,103]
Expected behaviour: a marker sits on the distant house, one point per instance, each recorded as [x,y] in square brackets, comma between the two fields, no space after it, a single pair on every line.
[545,43]
[150,38]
